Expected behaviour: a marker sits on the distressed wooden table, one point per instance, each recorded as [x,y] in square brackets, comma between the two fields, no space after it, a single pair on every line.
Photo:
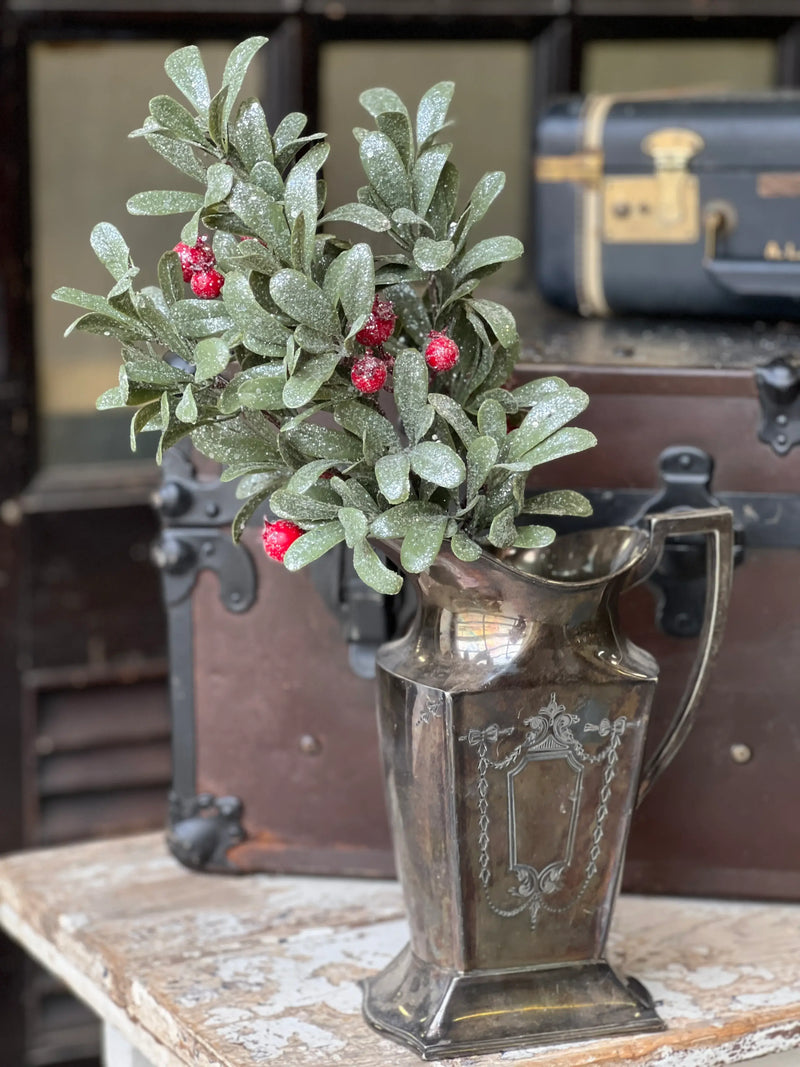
[234,972]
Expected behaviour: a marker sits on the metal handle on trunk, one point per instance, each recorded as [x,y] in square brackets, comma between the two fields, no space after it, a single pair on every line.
[746,277]
[717,526]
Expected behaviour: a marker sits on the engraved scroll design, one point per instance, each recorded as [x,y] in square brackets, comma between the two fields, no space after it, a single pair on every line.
[549,736]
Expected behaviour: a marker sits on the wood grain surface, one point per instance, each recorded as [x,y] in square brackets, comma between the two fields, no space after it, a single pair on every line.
[225,971]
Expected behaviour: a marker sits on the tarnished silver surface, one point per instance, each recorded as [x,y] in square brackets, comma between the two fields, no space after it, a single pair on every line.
[513,718]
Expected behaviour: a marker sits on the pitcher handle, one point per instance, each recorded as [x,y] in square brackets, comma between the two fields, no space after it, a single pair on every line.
[717,525]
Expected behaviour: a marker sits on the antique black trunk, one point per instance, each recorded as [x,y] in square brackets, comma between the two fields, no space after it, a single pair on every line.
[670,204]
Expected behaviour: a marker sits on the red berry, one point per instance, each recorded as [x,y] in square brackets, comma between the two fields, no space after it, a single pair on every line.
[441,352]
[277,537]
[379,327]
[207,284]
[194,257]
[368,374]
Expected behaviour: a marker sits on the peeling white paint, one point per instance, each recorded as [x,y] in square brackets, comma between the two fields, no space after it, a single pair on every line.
[773,998]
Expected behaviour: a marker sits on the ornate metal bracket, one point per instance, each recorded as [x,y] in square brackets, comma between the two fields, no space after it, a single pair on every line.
[779,392]
[202,829]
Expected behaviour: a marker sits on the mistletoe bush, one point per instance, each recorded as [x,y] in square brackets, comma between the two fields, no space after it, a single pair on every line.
[362,395]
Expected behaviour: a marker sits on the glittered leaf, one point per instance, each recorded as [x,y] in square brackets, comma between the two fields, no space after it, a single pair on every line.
[88,300]
[170,278]
[311,373]
[397,127]
[187,406]
[484,194]
[110,248]
[357,285]
[432,110]
[385,169]
[219,182]
[397,521]
[438,463]
[503,532]
[445,198]
[211,357]
[246,512]
[492,420]
[172,116]
[164,202]
[411,392]
[432,255]
[377,101]
[481,457]
[185,69]
[236,68]
[558,502]
[499,319]
[299,297]
[201,318]
[179,154]
[360,214]
[464,547]
[543,419]
[562,443]
[374,573]
[308,475]
[392,474]
[313,544]
[411,311]
[453,414]
[534,536]
[250,135]
[367,423]
[262,216]
[154,372]
[354,524]
[147,417]
[538,389]
[421,545]
[246,312]
[301,508]
[237,440]
[426,174]
[489,253]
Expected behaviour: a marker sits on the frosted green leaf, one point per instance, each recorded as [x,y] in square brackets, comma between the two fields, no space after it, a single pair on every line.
[236,68]
[397,127]
[257,388]
[154,372]
[190,230]
[503,532]
[108,327]
[289,129]
[259,212]
[367,424]
[89,301]
[186,410]
[246,512]
[313,544]
[432,110]
[357,285]
[185,69]
[372,572]
[411,311]
[267,177]
[433,255]
[237,441]
[252,482]
[534,536]
[354,495]
[453,414]
[392,474]
[200,318]
[172,116]
[311,373]
[481,457]
[170,278]
[243,308]
[360,214]
[484,194]
[438,463]
[354,524]
[445,198]
[492,420]
[308,475]
[322,442]
[299,297]
[179,154]
[411,392]
[397,521]
[464,547]
[301,185]
[301,508]
[558,502]
[250,135]
[421,545]
[164,202]
[109,246]
[112,398]
[539,389]
[562,443]
[426,174]
[211,357]
[146,418]
[377,101]
[499,319]
[406,217]
[219,182]
[543,419]
[489,253]
[385,169]
[217,127]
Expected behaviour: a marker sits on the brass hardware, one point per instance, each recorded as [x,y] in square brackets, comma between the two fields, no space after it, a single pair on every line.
[719,220]
[741,753]
[777,251]
[585,168]
[659,208]
[778,184]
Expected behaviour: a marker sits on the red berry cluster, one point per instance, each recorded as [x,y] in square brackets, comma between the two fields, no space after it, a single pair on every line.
[370,370]
[198,263]
[441,352]
[278,536]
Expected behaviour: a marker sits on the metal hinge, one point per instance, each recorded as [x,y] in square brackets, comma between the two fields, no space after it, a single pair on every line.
[779,392]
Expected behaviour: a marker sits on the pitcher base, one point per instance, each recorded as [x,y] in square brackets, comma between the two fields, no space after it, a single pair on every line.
[442,1013]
